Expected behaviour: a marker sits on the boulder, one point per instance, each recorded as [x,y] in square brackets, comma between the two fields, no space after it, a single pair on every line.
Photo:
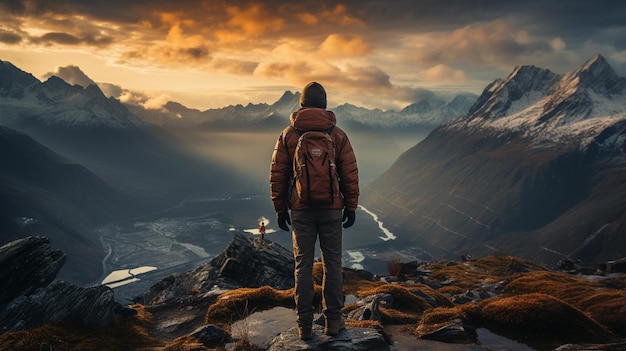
[368,307]
[350,339]
[60,301]
[243,263]
[248,265]
[210,335]
[455,331]
[27,265]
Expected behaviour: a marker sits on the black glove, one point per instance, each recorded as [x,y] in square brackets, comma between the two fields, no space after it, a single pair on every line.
[348,218]
[283,220]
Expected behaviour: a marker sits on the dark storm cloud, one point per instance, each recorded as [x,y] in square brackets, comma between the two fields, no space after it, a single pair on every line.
[572,20]
[576,16]
[35,7]
[571,16]
[69,39]
[196,53]
[8,37]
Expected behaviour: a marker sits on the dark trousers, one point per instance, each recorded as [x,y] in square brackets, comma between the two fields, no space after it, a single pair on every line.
[308,225]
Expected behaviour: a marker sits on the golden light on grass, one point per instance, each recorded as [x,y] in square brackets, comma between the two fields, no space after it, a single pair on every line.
[605,305]
[439,317]
[471,275]
[541,316]
[237,304]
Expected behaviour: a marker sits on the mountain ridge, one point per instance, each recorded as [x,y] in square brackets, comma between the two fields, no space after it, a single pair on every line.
[57,103]
[519,174]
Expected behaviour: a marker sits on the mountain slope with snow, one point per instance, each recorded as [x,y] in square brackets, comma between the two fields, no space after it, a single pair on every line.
[574,108]
[24,101]
[536,168]
[426,113]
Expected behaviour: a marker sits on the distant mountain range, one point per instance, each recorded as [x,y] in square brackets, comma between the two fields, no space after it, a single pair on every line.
[426,113]
[535,168]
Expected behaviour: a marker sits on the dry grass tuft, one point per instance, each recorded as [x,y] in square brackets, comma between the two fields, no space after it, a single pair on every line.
[543,317]
[452,290]
[185,343]
[607,306]
[472,275]
[392,316]
[437,295]
[406,308]
[234,305]
[439,317]
[127,333]
[353,285]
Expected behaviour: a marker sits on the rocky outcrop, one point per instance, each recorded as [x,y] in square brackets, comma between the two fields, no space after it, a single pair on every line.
[454,331]
[368,307]
[244,263]
[60,301]
[351,339]
[28,266]
[252,264]
[210,335]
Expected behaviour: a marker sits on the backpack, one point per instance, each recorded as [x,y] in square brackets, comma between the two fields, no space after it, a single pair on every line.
[316,181]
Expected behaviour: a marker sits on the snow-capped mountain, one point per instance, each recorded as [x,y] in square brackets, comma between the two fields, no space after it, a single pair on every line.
[536,168]
[24,100]
[174,115]
[575,107]
[426,113]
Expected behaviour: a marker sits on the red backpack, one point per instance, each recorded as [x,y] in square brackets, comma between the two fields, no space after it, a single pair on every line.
[316,181]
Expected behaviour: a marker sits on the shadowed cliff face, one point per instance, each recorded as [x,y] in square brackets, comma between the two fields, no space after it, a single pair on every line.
[28,266]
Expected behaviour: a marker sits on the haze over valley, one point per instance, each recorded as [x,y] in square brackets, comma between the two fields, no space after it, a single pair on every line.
[122,186]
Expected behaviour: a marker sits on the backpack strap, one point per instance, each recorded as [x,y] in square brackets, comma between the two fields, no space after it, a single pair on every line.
[300,132]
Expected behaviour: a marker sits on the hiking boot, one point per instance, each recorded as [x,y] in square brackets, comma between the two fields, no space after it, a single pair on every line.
[334,326]
[304,333]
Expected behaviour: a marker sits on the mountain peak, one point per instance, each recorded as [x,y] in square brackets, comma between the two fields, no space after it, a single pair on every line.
[598,75]
[577,106]
[596,61]
[506,95]
[14,80]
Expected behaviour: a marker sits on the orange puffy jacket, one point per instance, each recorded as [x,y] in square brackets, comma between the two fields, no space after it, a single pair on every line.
[281,169]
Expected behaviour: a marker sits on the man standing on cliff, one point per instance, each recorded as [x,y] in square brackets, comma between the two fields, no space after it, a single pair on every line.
[313,219]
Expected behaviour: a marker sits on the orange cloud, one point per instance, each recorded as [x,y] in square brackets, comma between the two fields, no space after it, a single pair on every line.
[340,15]
[308,18]
[251,22]
[443,72]
[337,45]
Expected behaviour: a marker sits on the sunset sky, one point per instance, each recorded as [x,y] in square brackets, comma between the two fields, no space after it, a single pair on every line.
[371,53]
